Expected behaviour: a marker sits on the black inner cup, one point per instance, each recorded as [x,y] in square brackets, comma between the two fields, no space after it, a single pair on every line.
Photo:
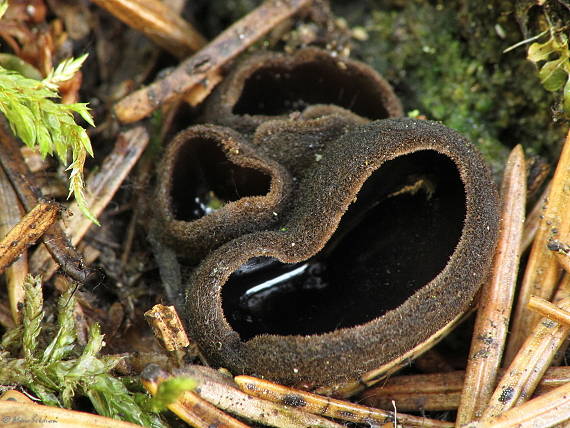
[397,236]
[273,90]
[204,179]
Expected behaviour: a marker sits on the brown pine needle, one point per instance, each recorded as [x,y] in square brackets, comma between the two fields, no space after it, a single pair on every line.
[543,269]
[492,323]
[529,365]
[533,220]
[158,22]
[16,414]
[222,392]
[545,411]
[208,62]
[439,391]
[189,406]
[564,260]
[327,406]
[549,310]
[27,232]
[101,187]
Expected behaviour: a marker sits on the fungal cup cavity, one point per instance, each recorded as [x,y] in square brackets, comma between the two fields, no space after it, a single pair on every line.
[204,179]
[398,235]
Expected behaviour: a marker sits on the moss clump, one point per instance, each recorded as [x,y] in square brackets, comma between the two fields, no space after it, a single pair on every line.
[446,61]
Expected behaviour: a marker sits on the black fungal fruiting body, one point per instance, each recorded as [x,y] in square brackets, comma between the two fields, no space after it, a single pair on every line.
[341,244]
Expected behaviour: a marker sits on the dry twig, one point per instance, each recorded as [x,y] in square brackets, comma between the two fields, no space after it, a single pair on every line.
[327,406]
[206,64]
[496,299]
[27,232]
[101,187]
[158,22]
[543,271]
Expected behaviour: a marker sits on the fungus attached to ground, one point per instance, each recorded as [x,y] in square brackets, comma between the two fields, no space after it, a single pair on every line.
[271,85]
[387,239]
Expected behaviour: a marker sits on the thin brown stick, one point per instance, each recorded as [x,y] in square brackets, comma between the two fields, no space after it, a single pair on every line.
[545,411]
[543,270]
[101,187]
[439,391]
[209,61]
[549,310]
[10,214]
[54,238]
[27,232]
[529,365]
[158,22]
[533,220]
[327,406]
[492,323]
[189,407]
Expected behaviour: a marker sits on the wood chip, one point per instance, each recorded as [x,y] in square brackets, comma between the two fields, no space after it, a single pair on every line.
[208,62]
[327,406]
[492,323]
[543,270]
[27,232]
[167,327]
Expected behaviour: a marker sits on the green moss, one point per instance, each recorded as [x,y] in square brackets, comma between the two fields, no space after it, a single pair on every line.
[446,61]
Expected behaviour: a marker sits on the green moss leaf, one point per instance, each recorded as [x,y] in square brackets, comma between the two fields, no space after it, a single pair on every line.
[552,75]
[41,123]
[541,51]
[63,371]
[169,391]
[33,315]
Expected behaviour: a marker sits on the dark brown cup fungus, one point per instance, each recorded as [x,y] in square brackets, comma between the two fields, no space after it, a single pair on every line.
[213,187]
[389,237]
[273,85]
